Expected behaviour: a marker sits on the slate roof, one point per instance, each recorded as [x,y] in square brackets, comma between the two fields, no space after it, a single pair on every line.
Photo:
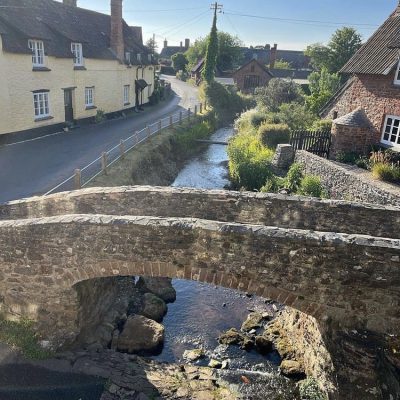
[356,118]
[58,25]
[169,51]
[379,54]
[291,73]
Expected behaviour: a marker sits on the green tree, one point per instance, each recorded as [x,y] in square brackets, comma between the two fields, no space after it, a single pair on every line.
[179,62]
[152,45]
[323,86]
[343,45]
[277,92]
[282,64]
[212,52]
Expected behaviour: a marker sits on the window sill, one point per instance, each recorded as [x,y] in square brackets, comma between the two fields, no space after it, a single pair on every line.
[79,68]
[90,108]
[127,104]
[40,119]
[41,69]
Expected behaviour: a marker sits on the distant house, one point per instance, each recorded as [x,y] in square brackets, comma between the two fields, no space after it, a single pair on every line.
[251,75]
[60,63]
[197,71]
[168,51]
[371,96]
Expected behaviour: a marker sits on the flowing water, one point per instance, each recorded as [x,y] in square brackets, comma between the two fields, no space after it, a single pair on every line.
[201,312]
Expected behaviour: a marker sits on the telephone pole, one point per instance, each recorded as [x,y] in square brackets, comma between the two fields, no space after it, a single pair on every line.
[217,8]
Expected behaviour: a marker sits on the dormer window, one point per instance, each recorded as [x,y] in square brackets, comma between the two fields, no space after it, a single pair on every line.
[77,51]
[37,48]
[397,77]
[128,57]
[139,57]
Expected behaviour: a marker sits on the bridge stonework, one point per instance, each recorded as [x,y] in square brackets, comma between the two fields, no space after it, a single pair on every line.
[236,240]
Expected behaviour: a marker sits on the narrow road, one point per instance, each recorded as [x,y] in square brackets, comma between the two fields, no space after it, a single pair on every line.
[36,166]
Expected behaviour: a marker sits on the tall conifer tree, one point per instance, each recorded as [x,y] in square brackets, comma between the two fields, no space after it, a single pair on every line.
[212,52]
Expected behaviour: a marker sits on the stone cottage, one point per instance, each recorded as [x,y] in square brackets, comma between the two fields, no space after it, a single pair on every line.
[366,110]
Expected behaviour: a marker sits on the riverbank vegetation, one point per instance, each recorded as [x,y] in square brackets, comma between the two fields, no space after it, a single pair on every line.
[21,337]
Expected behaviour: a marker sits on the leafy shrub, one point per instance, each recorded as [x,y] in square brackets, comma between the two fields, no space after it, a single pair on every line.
[347,157]
[273,134]
[294,177]
[386,172]
[249,162]
[310,390]
[295,115]
[324,125]
[311,185]
[273,185]
[100,116]
[250,119]
[226,101]
[182,75]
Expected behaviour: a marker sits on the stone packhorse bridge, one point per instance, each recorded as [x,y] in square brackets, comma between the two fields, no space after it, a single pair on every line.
[280,247]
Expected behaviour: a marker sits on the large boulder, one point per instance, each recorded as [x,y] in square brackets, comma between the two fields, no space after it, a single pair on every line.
[292,368]
[253,321]
[161,287]
[233,336]
[153,307]
[140,335]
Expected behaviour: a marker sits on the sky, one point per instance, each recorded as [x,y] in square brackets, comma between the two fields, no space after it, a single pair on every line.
[292,24]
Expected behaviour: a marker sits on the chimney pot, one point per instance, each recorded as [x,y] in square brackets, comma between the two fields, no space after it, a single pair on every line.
[272,57]
[71,3]
[165,43]
[181,45]
[187,43]
[117,33]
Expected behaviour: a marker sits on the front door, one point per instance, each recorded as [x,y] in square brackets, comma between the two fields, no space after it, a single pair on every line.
[69,110]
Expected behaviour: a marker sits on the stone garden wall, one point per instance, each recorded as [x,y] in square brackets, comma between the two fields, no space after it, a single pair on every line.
[350,183]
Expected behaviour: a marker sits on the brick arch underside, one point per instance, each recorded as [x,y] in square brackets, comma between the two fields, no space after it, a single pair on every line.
[328,276]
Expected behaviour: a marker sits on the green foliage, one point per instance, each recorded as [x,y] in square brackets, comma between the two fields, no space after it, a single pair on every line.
[182,76]
[323,85]
[229,51]
[310,390]
[282,64]
[324,125]
[22,336]
[273,134]
[100,116]
[249,162]
[311,185]
[226,102]
[347,157]
[278,92]
[152,45]
[210,63]
[179,62]
[295,115]
[386,172]
[273,184]
[343,45]
[251,119]
[294,177]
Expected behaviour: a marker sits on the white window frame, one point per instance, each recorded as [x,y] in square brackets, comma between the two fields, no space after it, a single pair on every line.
[89,96]
[37,48]
[392,122]
[128,57]
[397,75]
[127,90]
[139,57]
[77,51]
[41,105]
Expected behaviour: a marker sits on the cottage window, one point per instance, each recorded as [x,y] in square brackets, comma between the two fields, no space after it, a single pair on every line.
[391,131]
[77,51]
[128,57]
[251,81]
[89,97]
[139,57]
[37,48]
[149,56]
[127,89]
[41,104]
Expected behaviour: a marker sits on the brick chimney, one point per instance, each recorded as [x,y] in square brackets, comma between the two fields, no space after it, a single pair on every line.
[187,43]
[117,33]
[165,43]
[71,3]
[272,56]
[181,45]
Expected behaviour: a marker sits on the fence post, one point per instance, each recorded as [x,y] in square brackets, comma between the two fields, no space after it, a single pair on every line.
[77,179]
[122,148]
[104,163]
[189,115]
[159,126]
[195,110]
[180,117]
[148,131]
[201,108]
[171,121]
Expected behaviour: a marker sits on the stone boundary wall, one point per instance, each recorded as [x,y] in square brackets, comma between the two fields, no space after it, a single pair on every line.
[283,211]
[350,182]
[350,279]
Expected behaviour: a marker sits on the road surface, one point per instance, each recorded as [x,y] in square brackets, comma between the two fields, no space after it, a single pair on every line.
[36,166]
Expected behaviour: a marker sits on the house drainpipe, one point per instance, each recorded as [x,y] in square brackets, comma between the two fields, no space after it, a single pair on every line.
[137,91]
